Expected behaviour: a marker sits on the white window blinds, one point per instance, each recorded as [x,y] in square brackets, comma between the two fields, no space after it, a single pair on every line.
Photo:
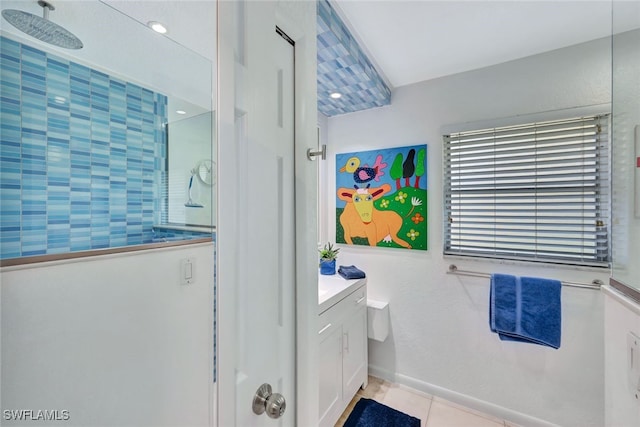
[536,192]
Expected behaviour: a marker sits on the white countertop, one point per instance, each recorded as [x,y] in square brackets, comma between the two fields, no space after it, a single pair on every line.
[332,289]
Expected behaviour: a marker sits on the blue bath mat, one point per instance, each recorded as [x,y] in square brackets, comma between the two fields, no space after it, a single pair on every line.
[369,413]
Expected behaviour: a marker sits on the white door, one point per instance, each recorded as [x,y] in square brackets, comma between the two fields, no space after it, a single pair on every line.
[269,240]
[262,161]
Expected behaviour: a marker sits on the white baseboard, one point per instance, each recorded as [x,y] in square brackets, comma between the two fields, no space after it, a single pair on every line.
[470,402]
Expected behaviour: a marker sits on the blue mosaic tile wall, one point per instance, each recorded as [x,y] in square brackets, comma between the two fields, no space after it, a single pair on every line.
[81,156]
[343,67]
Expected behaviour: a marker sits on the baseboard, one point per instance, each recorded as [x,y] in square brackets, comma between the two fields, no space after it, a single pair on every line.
[461,399]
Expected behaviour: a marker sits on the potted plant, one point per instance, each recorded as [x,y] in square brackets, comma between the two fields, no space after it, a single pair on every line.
[328,256]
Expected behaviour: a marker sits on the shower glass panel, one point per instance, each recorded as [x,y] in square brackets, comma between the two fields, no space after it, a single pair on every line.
[626,142]
[107,146]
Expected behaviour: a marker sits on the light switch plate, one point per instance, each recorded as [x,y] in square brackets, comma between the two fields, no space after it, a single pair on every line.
[187,271]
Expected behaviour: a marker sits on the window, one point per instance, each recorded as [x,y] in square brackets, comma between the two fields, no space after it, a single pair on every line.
[537,192]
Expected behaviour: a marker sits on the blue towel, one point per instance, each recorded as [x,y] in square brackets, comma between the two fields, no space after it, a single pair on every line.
[350,272]
[525,309]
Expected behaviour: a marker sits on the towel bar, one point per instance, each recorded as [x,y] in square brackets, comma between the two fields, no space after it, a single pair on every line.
[453,269]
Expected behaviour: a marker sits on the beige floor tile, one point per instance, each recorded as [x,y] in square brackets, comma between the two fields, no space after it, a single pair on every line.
[418,392]
[442,415]
[408,402]
[376,389]
[473,411]
[432,411]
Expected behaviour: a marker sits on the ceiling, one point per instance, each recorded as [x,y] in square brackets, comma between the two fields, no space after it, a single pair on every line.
[343,69]
[398,42]
[198,31]
[412,41]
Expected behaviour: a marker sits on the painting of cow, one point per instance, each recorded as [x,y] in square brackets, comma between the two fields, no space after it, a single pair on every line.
[381,198]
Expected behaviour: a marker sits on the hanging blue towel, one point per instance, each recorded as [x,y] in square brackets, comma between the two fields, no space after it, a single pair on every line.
[525,309]
[350,272]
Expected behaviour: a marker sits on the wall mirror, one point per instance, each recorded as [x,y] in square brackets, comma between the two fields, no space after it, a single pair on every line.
[626,144]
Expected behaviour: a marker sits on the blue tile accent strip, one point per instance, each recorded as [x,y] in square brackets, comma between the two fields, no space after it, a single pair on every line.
[343,67]
[82,156]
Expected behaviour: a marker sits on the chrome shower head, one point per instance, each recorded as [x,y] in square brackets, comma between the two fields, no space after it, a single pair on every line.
[42,28]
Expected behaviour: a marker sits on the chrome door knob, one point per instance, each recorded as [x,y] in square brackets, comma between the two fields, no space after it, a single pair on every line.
[265,400]
[275,405]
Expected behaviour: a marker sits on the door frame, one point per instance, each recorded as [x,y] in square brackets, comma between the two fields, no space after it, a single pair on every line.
[298,20]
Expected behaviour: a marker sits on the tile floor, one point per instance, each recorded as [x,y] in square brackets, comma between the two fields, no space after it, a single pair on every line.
[431,410]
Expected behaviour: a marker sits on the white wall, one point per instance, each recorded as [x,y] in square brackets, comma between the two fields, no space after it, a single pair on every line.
[440,340]
[114,339]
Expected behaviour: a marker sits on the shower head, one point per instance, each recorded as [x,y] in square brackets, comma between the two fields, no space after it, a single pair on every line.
[42,28]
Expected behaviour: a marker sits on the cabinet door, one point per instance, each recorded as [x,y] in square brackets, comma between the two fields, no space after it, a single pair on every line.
[330,374]
[354,347]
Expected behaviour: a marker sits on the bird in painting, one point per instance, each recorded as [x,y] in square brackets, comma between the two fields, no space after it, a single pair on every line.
[364,174]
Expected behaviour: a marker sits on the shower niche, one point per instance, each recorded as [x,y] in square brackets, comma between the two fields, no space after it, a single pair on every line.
[191,172]
[106,145]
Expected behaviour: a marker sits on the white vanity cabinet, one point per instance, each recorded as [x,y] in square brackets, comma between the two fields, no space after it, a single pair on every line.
[342,330]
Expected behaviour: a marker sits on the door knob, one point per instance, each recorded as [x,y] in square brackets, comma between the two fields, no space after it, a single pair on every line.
[265,400]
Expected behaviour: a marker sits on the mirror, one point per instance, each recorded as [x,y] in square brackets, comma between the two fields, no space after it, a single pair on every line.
[121,123]
[206,172]
[626,143]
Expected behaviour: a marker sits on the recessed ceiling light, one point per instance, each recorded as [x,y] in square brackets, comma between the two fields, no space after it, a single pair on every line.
[335,95]
[157,27]
[181,112]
